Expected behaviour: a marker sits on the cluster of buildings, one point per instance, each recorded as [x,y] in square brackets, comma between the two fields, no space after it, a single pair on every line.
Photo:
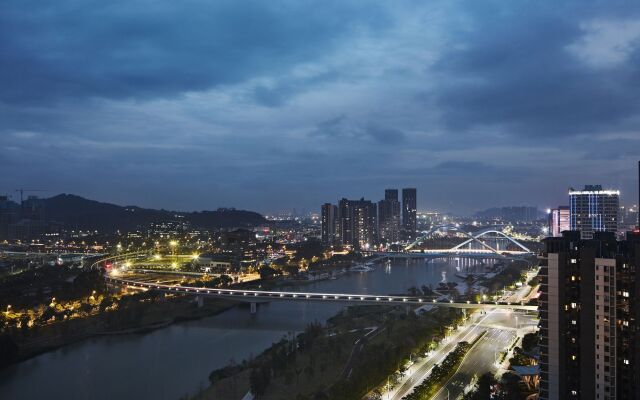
[361,224]
[514,214]
[589,309]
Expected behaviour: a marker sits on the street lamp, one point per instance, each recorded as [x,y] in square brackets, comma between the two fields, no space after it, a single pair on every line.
[8,308]
[173,245]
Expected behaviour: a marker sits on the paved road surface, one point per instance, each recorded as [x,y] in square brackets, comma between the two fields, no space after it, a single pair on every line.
[501,327]
[500,334]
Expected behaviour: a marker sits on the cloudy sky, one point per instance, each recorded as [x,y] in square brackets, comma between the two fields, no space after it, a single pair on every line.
[271,105]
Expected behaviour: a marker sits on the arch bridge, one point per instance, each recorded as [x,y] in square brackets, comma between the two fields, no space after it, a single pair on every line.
[471,239]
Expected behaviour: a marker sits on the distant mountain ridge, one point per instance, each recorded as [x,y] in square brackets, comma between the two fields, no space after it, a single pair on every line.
[78,213]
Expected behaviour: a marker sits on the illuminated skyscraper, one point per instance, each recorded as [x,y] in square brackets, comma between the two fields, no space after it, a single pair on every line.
[357,223]
[329,224]
[409,211]
[389,217]
[594,209]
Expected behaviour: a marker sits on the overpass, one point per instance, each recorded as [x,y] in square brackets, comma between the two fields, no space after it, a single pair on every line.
[253,296]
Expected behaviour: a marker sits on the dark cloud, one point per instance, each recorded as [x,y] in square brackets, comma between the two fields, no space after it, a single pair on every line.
[282,104]
[457,167]
[385,135]
[513,70]
[342,128]
[142,49]
[614,149]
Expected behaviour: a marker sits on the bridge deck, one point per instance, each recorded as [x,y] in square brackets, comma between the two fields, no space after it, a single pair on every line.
[258,295]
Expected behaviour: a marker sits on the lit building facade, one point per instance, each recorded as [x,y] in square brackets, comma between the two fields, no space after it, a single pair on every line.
[559,221]
[352,223]
[590,338]
[389,217]
[329,221]
[409,212]
[594,209]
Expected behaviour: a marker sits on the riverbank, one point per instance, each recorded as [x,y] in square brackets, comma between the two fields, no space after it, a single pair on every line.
[143,319]
[177,359]
[345,359]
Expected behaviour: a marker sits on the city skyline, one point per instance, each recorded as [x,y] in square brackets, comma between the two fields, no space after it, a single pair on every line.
[14,195]
[345,200]
[110,104]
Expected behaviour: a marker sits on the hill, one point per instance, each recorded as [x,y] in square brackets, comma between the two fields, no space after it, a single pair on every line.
[78,213]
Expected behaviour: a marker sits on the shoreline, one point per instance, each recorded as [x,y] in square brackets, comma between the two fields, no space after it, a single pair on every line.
[46,345]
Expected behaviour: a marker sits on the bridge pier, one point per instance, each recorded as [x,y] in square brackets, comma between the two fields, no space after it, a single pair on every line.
[254,307]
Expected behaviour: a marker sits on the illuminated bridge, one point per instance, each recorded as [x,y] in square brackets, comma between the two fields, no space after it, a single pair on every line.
[253,296]
[466,249]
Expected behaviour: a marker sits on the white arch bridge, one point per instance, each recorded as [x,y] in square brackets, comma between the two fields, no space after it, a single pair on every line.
[254,296]
[472,238]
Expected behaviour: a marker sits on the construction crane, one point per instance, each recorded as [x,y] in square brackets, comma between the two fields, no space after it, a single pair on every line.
[27,190]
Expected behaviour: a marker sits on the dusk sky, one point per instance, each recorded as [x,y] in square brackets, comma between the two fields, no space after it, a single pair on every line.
[271,105]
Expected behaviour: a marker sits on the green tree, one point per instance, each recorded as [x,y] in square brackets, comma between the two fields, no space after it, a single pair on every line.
[530,341]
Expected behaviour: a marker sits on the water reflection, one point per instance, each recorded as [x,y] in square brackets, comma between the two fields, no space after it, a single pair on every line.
[175,361]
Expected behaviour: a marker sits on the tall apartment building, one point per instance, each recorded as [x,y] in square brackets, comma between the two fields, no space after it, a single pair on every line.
[329,219]
[559,221]
[357,223]
[589,316]
[389,217]
[409,212]
[594,209]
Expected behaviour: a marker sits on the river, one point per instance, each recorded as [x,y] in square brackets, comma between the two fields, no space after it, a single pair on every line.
[175,361]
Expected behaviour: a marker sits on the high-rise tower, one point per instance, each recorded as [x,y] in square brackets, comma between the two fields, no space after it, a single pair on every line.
[389,217]
[594,209]
[409,211]
[589,317]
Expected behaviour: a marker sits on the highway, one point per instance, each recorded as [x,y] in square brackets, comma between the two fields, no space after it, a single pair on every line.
[502,327]
[501,333]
